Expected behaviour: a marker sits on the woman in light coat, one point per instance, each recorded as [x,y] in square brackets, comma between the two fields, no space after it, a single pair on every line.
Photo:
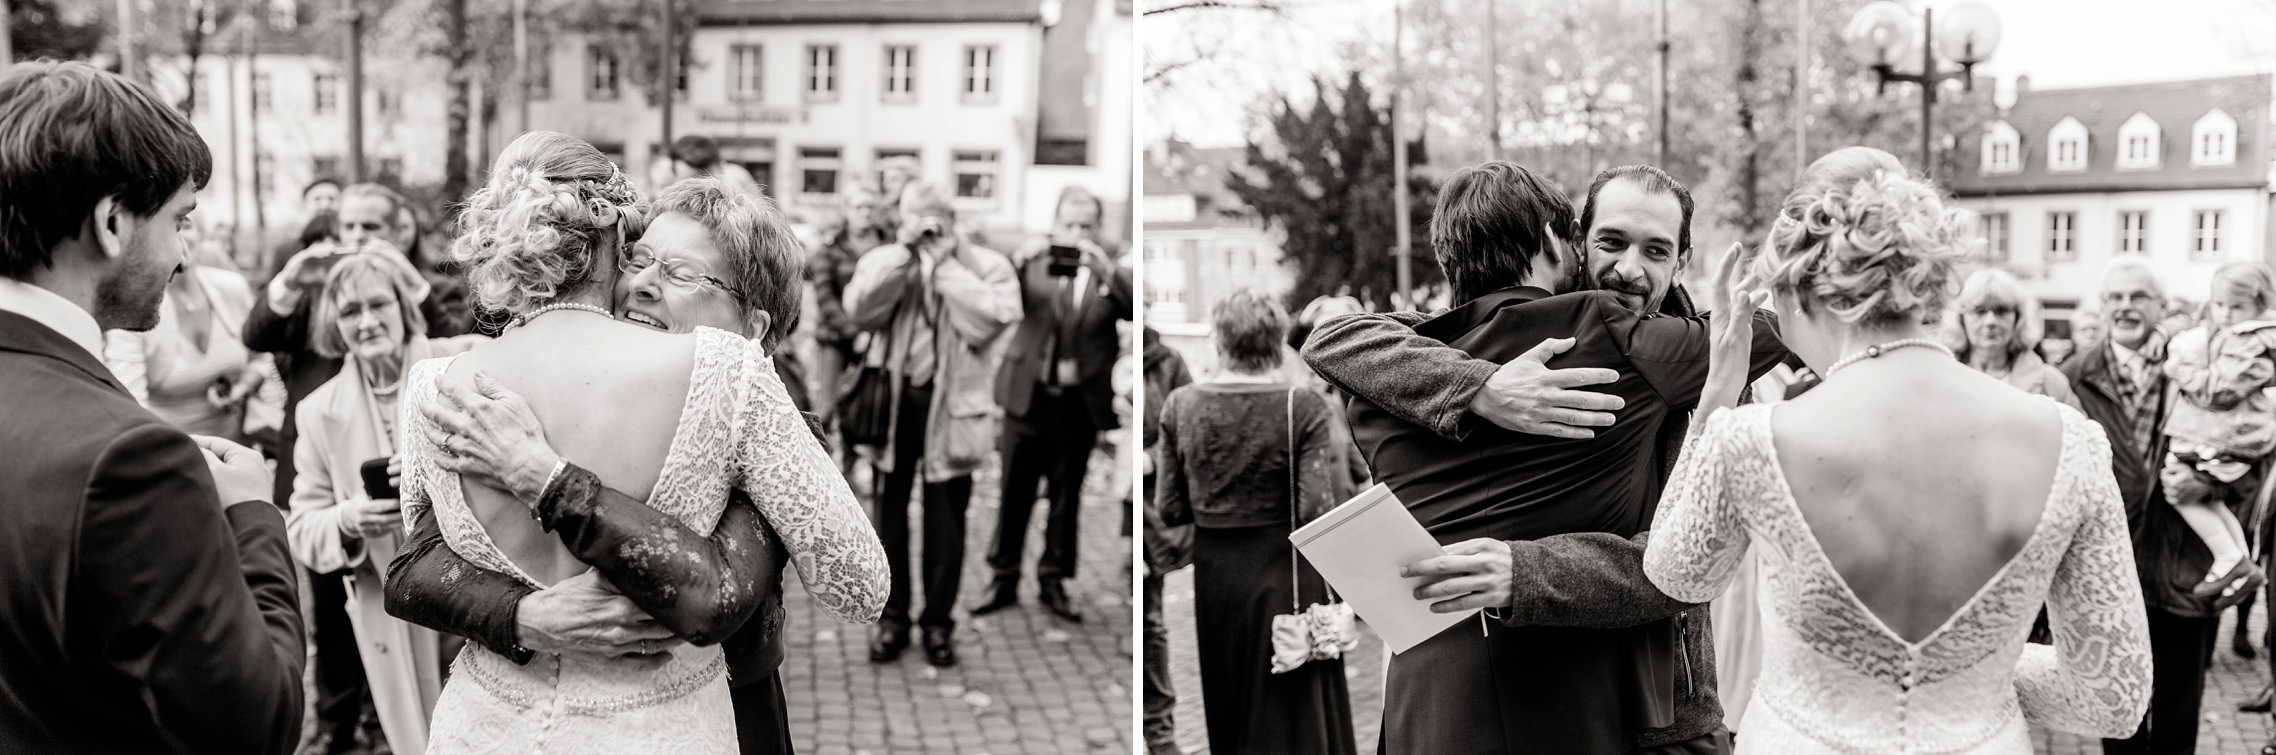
[369,316]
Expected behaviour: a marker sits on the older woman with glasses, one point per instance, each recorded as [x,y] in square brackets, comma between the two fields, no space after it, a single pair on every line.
[709,257]
[1993,329]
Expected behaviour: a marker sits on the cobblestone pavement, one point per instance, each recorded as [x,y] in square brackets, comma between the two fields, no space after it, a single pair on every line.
[1026,681]
[2224,732]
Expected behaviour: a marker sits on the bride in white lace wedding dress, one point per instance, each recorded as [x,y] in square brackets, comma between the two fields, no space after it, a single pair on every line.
[1907,525]
[607,393]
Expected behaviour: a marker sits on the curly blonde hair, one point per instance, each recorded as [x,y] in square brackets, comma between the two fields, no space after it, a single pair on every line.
[1877,251]
[554,208]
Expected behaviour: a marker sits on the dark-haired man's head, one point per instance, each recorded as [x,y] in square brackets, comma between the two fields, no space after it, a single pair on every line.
[700,152]
[1498,225]
[321,196]
[97,180]
[1636,234]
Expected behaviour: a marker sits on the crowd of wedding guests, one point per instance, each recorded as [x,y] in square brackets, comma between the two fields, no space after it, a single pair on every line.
[1258,446]
[977,358]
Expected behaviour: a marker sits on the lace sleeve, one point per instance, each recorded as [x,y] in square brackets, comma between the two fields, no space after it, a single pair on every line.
[800,492]
[2095,679]
[1698,537]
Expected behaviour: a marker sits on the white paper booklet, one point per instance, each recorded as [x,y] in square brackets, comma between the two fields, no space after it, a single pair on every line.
[1359,548]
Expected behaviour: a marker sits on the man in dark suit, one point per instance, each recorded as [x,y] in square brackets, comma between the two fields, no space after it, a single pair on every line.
[1420,412]
[1057,390]
[144,579]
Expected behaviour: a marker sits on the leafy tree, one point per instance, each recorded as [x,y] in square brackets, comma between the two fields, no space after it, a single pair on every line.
[1576,90]
[1324,178]
[51,29]
[475,38]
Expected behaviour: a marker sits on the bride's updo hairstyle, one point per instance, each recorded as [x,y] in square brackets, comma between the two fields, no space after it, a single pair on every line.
[1862,241]
[554,208]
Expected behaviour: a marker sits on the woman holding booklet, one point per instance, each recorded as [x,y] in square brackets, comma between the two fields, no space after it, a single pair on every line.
[1246,458]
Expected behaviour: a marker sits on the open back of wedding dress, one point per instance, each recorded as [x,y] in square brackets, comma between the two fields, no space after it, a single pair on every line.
[738,428]
[1835,679]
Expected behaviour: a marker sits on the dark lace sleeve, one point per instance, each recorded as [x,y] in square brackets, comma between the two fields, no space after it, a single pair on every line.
[430,585]
[702,588]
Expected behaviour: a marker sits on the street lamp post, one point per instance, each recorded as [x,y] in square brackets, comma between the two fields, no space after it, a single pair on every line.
[1882,35]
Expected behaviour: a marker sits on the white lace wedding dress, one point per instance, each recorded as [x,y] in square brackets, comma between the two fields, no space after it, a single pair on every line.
[1835,679]
[738,428]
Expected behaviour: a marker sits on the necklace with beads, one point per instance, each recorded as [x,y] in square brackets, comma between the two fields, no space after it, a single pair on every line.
[1884,348]
[525,317]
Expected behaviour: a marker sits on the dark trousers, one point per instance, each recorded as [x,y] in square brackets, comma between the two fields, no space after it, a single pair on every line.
[341,690]
[761,716]
[1161,697]
[2180,647]
[1055,439]
[945,502]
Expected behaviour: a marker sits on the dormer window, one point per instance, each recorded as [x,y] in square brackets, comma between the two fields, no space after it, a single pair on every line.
[2138,143]
[2066,146]
[2003,149]
[2213,141]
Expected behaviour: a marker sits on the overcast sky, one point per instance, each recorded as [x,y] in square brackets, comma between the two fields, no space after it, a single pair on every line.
[2058,43]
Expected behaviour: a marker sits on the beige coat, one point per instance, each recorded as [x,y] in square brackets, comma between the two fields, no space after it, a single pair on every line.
[977,295]
[339,430]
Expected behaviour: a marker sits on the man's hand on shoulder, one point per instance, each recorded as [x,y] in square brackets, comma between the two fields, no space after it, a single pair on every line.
[1526,396]
[239,474]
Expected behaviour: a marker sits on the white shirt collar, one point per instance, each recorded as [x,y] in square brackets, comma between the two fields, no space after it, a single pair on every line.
[55,312]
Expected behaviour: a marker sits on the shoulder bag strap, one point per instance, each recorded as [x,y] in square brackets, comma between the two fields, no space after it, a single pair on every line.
[1295,575]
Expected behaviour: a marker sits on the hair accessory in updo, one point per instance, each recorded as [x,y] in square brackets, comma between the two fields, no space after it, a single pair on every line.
[555,209]
[1881,249]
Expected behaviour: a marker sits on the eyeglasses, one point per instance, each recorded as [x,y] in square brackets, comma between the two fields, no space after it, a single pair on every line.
[2136,298]
[635,260]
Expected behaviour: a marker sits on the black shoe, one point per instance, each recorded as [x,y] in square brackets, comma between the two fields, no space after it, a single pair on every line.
[1001,595]
[885,645]
[2242,645]
[2258,703]
[1054,597]
[940,647]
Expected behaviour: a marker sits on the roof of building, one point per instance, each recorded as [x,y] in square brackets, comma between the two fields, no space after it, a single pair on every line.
[2175,105]
[728,12]
[1175,168]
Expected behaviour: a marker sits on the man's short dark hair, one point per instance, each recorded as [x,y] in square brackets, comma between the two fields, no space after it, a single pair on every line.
[698,151]
[1492,219]
[320,181]
[72,134]
[1653,181]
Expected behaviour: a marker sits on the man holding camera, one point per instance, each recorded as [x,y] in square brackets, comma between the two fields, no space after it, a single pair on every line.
[1057,391]
[938,305]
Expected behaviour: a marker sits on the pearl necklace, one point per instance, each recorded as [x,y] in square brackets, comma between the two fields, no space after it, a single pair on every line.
[525,317]
[1884,348]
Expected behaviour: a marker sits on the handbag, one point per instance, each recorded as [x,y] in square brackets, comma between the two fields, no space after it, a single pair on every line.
[865,411]
[1324,631]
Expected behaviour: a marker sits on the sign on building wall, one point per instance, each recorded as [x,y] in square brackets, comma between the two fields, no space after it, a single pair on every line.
[753,115]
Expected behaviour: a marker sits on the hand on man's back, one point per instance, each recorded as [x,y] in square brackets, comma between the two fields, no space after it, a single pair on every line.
[1527,396]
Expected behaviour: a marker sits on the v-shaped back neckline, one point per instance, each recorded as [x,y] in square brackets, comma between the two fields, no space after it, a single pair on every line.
[673,462]
[2060,482]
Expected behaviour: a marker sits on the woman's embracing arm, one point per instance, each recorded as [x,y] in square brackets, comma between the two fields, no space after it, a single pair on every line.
[702,588]
[798,488]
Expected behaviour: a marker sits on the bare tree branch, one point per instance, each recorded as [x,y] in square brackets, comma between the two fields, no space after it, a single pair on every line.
[1267,6]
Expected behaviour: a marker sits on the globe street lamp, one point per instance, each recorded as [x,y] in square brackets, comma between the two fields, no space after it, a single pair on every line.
[1887,37]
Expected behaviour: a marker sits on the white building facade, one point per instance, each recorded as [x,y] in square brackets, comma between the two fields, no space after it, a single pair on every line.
[2176,173]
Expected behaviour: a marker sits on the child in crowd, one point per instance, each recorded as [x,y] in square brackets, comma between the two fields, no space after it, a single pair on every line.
[2224,422]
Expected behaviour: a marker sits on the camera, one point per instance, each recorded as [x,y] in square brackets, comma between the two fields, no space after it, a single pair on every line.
[1065,260]
[930,231]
